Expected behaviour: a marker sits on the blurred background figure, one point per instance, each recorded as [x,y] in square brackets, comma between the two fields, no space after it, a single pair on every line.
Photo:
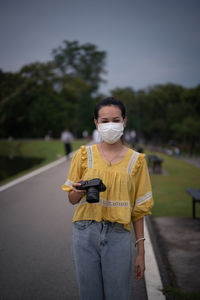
[48,136]
[67,138]
[96,136]
[133,138]
[127,136]
[85,134]
[176,151]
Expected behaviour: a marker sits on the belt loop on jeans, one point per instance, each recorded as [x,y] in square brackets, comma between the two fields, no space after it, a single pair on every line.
[105,224]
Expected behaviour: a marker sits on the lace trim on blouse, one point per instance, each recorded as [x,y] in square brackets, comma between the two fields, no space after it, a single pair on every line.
[134,164]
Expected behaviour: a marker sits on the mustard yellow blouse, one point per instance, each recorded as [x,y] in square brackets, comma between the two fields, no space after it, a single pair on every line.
[128,195]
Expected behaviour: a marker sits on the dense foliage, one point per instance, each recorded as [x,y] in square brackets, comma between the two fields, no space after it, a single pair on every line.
[51,96]
[61,93]
[164,114]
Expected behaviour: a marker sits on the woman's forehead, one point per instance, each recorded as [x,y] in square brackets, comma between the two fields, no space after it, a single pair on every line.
[109,111]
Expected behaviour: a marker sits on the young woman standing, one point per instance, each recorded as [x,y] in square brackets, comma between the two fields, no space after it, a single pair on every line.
[101,236]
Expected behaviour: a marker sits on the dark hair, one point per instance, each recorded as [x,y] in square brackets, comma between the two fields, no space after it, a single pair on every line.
[107,102]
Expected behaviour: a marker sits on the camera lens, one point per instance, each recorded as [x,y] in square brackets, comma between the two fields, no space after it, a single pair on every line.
[92,195]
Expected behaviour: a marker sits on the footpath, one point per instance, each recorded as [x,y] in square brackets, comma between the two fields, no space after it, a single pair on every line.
[178,249]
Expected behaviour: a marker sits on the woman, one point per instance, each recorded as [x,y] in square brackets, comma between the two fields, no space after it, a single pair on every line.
[101,239]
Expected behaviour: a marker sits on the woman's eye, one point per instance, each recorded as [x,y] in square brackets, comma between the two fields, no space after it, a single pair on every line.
[106,121]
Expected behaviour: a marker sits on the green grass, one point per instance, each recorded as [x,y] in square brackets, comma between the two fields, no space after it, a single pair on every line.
[169,191]
[179,295]
[48,150]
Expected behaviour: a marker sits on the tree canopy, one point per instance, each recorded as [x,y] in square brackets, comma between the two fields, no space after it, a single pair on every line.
[51,96]
[61,93]
[83,61]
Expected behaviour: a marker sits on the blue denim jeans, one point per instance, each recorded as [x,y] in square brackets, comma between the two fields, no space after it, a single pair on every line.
[102,253]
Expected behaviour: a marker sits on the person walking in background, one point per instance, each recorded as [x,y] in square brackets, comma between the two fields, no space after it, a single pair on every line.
[101,232]
[67,138]
[85,134]
[133,138]
[48,136]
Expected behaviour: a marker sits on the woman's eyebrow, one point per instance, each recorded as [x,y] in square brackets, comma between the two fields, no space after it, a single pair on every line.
[105,118]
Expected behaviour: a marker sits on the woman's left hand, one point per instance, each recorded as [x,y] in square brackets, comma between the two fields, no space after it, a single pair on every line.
[139,267]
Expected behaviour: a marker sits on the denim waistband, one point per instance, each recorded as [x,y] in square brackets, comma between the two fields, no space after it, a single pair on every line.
[112,224]
[103,223]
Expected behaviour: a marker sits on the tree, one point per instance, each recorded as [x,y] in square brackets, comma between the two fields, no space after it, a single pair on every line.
[159,110]
[40,72]
[11,86]
[187,128]
[128,96]
[30,89]
[83,61]
[76,92]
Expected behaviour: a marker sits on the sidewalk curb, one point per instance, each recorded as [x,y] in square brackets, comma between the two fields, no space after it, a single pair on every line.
[153,281]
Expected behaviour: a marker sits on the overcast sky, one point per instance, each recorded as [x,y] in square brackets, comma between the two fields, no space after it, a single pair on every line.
[147,41]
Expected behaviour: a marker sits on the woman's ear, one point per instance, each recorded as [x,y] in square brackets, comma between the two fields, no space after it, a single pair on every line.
[125,120]
[95,122]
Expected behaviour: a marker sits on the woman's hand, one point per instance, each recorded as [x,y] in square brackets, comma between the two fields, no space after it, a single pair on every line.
[139,267]
[76,195]
[74,185]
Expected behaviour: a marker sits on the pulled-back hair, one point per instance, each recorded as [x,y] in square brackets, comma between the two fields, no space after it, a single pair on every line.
[107,102]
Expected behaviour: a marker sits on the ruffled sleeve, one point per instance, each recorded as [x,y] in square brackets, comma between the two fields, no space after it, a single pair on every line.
[84,157]
[78,164]
[138,163]
[143,201]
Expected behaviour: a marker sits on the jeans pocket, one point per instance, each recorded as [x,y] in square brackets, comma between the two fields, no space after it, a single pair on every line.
[81,225]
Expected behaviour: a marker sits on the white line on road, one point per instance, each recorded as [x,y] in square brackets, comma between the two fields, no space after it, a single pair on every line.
[152,275]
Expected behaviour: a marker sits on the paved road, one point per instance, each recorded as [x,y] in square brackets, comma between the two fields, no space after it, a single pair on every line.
[35,241]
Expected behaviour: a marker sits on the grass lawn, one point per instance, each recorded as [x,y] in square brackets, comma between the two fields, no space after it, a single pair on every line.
[179,295]
[169,192]
[48,150]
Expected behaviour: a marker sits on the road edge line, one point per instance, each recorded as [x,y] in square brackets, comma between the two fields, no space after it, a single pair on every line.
[153,280]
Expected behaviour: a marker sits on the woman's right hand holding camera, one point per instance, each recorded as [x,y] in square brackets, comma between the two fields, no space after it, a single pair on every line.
[76,195]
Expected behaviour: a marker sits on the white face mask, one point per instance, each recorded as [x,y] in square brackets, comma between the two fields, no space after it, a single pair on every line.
[110,132]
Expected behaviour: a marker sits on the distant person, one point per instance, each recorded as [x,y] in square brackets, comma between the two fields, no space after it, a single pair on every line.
[67,138]
[96,137]
[176,151]
[85,134]
[48,136]
[133,137]
[127,137]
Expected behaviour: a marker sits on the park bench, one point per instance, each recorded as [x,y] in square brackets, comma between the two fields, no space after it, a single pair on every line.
[155,163]
[195,198]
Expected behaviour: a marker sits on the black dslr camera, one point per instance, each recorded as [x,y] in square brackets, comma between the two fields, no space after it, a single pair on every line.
[92,187]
